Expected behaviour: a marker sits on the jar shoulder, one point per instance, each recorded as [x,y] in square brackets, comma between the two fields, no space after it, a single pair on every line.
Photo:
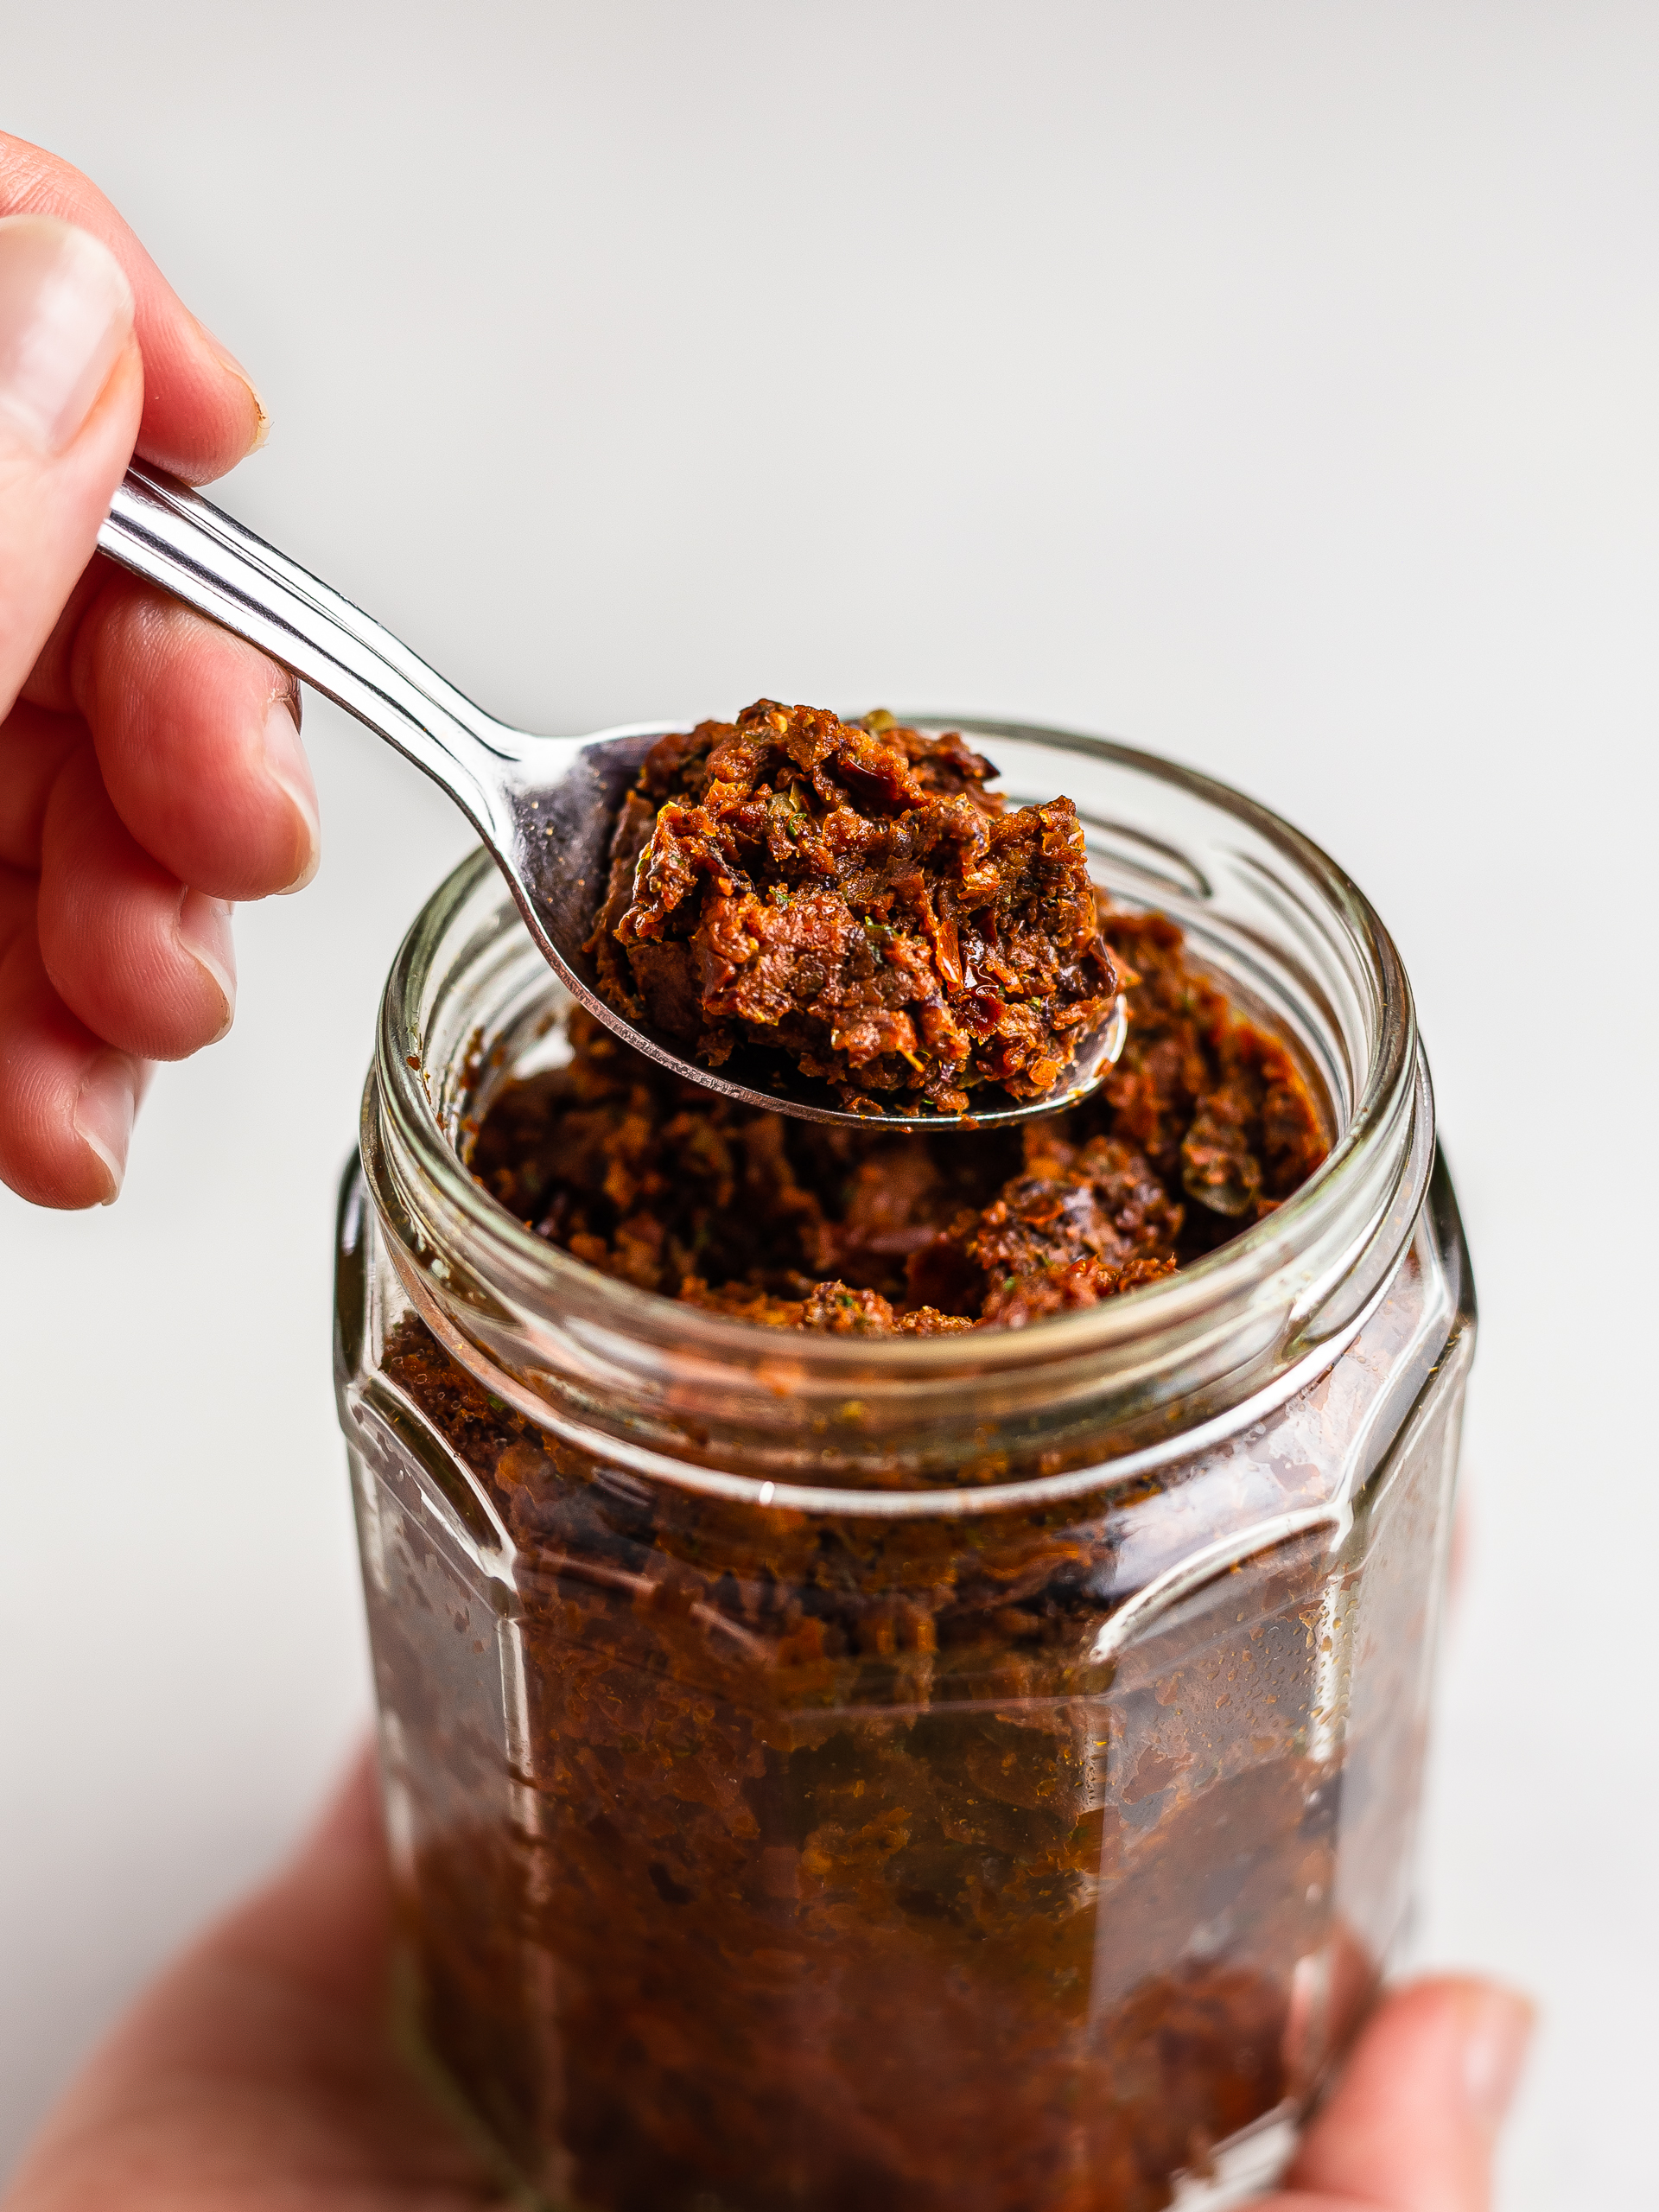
[507,1486]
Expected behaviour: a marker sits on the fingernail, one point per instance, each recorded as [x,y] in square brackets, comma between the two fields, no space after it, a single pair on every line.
[204,934]
[226,360]
[1496,2034]
[105,1108]
[288,766]
[66,311]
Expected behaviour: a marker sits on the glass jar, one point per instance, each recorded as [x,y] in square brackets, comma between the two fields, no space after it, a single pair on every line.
[974,1771]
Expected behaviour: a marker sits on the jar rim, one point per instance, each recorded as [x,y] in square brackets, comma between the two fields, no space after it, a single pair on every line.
[1252,1256]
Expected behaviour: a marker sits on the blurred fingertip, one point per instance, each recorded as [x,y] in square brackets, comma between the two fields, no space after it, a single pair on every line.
[1497,2031]
[352,1811]
[348,1824]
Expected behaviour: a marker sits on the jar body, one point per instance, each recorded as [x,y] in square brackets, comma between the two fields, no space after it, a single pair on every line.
[973,1773]
[1041,1856]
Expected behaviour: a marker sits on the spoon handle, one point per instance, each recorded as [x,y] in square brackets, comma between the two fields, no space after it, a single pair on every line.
[171,535]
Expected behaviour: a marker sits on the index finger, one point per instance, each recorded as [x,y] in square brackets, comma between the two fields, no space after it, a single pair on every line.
[202,414]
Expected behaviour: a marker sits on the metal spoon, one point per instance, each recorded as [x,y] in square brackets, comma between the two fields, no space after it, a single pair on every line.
[542,805]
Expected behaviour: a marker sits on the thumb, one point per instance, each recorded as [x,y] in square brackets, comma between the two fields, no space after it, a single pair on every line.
[1411,2124]
[71,394]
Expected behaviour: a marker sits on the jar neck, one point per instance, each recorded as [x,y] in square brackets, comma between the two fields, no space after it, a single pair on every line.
[693,1397]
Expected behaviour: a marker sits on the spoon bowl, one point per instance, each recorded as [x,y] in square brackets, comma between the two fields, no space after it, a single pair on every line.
[543,806]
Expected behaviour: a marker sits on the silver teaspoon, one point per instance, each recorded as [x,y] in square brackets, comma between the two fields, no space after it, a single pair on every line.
[543,806]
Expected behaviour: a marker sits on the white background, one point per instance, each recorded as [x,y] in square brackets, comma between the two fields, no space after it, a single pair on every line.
[1274,385]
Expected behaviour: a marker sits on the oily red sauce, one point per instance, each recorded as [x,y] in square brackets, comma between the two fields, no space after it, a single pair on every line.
[1204,1125]
[852,895]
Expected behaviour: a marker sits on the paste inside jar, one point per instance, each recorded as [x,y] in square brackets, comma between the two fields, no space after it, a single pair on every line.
[1204,1124]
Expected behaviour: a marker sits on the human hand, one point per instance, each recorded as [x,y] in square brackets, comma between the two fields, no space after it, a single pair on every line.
[1411,2121]
[257,2076]
[150,765]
